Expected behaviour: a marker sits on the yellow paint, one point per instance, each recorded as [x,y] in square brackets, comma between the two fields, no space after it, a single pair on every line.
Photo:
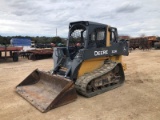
[93,64]
[108,37]
[118,59]
[90,65]
[124,66]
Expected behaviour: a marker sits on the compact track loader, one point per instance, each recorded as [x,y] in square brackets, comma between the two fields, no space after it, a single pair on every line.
[90,64]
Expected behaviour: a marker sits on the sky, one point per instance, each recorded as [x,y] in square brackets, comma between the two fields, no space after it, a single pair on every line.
[42,17]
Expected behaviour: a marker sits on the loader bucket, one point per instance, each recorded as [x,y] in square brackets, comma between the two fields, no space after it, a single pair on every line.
[46,91]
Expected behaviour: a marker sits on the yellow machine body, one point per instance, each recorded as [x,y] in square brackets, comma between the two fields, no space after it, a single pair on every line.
[95,63]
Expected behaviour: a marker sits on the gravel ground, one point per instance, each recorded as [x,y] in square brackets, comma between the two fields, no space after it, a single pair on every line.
[137,99]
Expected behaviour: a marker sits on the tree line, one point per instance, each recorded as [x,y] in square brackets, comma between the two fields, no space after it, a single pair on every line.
[37,40]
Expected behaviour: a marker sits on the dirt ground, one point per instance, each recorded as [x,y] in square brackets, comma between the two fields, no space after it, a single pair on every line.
[137,99]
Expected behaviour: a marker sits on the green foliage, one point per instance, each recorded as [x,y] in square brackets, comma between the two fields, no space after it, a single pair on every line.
[37,39]
[4,40]
[47,40]
[56,40]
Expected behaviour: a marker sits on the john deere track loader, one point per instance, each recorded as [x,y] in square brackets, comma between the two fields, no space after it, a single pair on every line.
[90,65]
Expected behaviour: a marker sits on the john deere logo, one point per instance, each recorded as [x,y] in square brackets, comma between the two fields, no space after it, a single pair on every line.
[97,53]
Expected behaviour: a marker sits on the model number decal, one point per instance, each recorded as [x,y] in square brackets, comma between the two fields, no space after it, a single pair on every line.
[104,52]
[114,51]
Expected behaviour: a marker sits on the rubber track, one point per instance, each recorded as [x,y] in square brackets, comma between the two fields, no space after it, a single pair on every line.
[82,82]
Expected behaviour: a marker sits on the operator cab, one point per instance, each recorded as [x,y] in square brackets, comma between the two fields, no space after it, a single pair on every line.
[88,35]
[85,35]
[84,38]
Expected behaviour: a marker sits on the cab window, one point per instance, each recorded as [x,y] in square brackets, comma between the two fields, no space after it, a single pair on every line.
[101,35]
[100,38]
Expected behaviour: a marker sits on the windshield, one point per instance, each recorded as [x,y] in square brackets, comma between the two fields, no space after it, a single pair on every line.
[77,35]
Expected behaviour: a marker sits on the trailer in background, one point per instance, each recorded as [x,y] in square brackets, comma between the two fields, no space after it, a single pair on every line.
[37,54]
[146,42]
[10,52]
[40,54]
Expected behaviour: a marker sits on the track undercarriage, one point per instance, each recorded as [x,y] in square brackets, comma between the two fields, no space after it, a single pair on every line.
[108,77]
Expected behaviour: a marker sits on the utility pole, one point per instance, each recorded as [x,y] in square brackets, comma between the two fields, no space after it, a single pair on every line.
[56,31]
